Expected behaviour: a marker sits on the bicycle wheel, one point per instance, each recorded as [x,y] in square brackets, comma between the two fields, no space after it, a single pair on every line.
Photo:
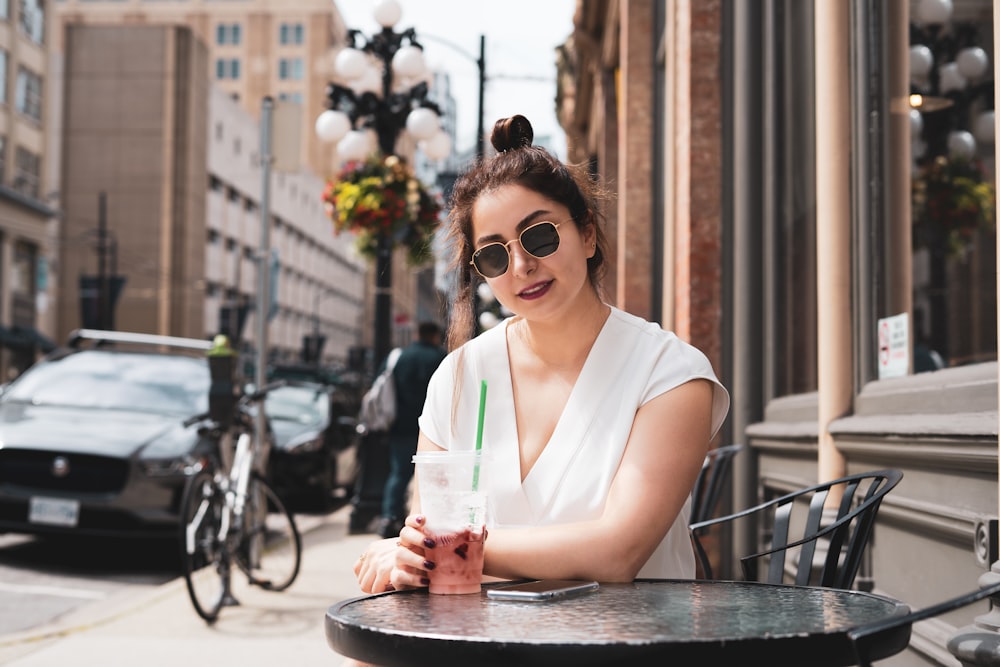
[270,551]
[203,556]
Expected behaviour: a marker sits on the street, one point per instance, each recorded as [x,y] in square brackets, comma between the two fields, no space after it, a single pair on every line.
[140,623]
[44,578]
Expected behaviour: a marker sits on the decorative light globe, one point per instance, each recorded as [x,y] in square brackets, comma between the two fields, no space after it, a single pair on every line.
[488,320]
[354,146]
[409,61]
[350,63]
[921,61]
[972,62]
[332,125]
[984,127]
[934,12]
[422,123]
[387,13]
[485,294]
[949,78]
[961,145]
[437,147]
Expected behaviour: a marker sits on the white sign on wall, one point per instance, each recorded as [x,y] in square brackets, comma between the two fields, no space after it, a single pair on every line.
[894,346]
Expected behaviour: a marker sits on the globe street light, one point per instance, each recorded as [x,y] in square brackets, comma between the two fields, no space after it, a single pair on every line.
[386,93]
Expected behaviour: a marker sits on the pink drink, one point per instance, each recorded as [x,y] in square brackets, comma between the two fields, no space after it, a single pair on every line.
[458,561]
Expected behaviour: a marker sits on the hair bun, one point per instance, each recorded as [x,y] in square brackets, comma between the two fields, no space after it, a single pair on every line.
[512,133]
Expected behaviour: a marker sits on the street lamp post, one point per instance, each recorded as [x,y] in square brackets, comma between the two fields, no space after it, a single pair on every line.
[387,95]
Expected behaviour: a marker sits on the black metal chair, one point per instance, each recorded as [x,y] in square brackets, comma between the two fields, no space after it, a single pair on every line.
[796,523]
[864,637]
[714,478]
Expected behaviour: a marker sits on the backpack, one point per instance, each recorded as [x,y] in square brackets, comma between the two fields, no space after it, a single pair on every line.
[378,405]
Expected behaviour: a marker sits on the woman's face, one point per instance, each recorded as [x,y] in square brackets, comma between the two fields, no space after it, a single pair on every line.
[535,288]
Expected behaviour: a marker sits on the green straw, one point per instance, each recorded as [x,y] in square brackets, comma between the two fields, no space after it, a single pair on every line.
[479,433]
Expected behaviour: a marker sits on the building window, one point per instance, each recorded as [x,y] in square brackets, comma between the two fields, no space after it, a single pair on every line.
[953,195]
[3,76]
[28,95]
[227,68]
[228,33]
[290,69]
[291,33]
[4,9]
[290,97]
[27,172]
[25,259]
[32,21]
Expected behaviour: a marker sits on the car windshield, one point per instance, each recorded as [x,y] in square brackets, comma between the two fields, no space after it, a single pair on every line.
[306,405]
[158,383]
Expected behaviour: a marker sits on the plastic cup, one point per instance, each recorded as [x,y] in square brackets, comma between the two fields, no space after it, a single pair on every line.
[455,518]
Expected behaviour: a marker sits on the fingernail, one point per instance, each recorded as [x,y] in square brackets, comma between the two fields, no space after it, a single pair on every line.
[425,581]
[419,518]
[428,565]
[429,543]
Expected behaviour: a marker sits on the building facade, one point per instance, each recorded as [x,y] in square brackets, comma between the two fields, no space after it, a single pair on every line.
[255,48]
[168,166]
[258,48]
[804,197]
[26,209]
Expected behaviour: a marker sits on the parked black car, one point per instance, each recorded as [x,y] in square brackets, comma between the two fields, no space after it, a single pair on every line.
[92,439]
[314,458]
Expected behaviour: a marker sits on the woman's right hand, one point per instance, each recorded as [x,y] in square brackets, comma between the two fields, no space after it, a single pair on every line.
[396,563]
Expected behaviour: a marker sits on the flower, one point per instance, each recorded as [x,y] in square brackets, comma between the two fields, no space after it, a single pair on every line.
[382,196]
[952,199]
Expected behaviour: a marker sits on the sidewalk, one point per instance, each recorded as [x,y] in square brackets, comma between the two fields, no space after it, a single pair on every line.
[160,628]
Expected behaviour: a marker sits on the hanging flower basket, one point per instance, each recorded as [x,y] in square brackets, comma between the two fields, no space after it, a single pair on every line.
[382,196]
[952,200]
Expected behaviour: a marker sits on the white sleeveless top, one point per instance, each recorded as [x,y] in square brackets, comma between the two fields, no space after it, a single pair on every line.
[632,361]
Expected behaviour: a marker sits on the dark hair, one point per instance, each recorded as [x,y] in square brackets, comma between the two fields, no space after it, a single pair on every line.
[517,162]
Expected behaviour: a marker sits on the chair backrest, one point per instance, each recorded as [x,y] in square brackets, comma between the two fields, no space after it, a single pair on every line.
[797,521]
[866,637]
[714,478]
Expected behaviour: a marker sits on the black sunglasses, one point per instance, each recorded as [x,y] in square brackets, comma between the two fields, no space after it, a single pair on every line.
[539,240]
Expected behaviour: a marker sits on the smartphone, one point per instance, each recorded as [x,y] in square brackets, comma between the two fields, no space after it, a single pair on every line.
[545,589]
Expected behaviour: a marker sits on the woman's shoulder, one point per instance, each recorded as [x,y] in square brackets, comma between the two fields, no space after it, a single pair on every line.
[484,343]
[639,326]
[658,341]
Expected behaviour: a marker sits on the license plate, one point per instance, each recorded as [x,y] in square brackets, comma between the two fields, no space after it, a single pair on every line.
[54,511]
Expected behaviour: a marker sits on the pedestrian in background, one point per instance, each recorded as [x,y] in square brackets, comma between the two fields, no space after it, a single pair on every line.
[411,374]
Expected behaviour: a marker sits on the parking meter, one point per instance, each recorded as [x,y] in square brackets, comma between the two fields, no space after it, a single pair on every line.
[222,392]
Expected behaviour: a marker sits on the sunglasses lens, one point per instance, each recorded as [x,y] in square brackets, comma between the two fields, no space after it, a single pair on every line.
[491,260]
[541,240]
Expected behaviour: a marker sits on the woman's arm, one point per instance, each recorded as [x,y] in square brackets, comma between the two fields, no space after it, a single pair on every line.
[664,453]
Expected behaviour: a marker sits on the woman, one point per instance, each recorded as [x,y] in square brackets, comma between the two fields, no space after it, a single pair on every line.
[597,422]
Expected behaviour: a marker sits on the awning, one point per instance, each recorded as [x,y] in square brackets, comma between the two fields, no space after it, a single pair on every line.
[18,336]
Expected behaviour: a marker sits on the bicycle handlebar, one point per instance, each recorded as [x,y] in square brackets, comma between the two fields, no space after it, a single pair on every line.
[244,401]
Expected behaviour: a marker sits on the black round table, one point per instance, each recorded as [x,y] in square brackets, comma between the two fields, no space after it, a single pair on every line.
[643,622]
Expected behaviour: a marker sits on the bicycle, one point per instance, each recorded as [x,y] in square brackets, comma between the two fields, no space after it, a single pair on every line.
[229,514]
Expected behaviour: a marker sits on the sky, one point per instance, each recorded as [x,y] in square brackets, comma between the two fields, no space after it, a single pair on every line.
[521,38]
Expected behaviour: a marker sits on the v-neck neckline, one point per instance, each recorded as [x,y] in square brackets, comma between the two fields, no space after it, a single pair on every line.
[558,445]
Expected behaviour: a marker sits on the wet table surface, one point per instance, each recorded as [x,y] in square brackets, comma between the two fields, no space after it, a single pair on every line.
[643,622]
